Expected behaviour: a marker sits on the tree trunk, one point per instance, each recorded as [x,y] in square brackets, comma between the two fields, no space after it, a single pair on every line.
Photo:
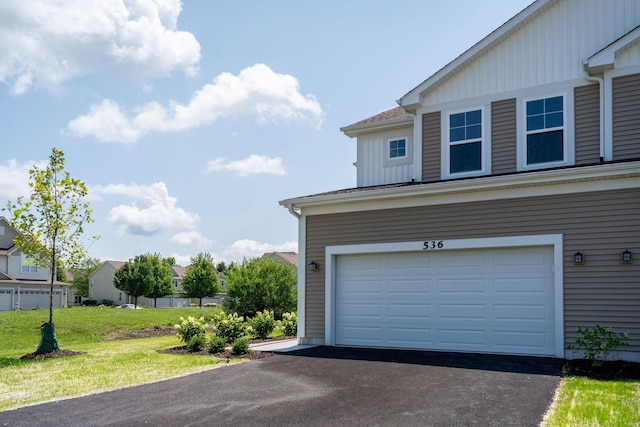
[200,302]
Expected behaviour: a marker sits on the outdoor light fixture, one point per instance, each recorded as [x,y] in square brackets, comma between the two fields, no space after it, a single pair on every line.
[312,266]
[578,258]
[626,256]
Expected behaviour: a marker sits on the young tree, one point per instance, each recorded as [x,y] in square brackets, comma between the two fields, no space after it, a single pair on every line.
[146,275]
[158,276]
[201,279]
[261,284]
[50,225]
[81,275]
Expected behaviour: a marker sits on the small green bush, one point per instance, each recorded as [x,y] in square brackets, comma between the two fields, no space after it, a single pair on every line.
[196,343]
[189,328]
[240,346]
[263,324]
[228,326]
[597,342]
[216,344]
[290,324]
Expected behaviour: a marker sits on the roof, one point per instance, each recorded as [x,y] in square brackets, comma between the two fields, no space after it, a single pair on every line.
[115,264]
[178,271]
[396,116]
[290,257]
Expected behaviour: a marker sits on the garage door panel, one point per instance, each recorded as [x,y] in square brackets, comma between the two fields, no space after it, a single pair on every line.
[6,296]
[488,300]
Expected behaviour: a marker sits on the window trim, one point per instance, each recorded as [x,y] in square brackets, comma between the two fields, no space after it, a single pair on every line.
[485,143]
[398,161]
[568,141]
[31,268]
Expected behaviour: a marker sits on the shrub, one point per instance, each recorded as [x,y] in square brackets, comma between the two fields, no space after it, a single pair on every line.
[263,324]
[189,328]
[216,344]
[240,346]
[597,342]
[290,324]
[89,302]
[228,326]
[196,343]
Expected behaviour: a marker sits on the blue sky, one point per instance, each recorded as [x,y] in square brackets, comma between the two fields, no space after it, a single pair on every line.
[189,121]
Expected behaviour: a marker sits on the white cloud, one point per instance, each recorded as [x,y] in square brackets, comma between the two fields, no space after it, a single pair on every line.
[14,178]
[182,260]
[191,238]
[246,248]
[152,210]
[252,165]
[257,90]
[44,42]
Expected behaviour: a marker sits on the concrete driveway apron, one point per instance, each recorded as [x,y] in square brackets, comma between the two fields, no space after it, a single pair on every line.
[326,386]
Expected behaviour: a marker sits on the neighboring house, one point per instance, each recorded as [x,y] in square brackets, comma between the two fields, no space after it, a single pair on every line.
[101,288]
[288,257]
[498,207]
[22,284]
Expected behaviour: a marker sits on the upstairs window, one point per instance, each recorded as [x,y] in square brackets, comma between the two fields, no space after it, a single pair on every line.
[545,126]
[397,148]
[464,154]
[28,265]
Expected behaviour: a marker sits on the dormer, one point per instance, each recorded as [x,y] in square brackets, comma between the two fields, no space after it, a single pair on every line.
[386,152]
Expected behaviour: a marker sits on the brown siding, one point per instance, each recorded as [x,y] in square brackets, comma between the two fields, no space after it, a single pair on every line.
[626,117]
[431,147]
[503,136]
[587,124]
[600,225]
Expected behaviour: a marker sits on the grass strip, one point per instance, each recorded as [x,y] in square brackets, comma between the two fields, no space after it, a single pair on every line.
[584,402]
[105,366]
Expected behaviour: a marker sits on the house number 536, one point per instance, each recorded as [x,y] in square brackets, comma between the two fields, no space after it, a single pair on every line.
[433,244]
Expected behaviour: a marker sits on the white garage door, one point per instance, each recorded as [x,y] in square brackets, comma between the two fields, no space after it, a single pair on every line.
[6,299]
[38,299]
[489,300]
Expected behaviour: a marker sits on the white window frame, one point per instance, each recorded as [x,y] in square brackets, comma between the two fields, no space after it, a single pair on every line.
[29,267]
[485,143]
[397,161]
[568,140]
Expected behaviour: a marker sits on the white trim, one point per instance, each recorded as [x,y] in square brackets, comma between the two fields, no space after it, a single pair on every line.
[568,145]
[608,176]
[417,148]
[407,159]
[302,271]
[485,141]
[555,240]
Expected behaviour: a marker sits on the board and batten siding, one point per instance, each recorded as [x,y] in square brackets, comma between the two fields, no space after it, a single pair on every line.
[503,136]
[549,48]
[374,167]
[600,225]
[587,123]
[626,117]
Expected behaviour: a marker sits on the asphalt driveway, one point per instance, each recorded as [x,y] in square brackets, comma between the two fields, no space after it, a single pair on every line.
[325,386]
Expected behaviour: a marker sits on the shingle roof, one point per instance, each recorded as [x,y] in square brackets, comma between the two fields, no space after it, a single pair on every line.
[290,257]
[395,115]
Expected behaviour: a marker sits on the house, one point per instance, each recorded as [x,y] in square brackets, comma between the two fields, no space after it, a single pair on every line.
[101,288]
[24,285]
[497,207]
[287,257]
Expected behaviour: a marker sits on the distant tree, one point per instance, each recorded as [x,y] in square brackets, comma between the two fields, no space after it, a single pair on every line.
[81,273]
[171,261]
[261,284]
[158,275]
[200,280]
[50,225]
[221,267]
[146,275]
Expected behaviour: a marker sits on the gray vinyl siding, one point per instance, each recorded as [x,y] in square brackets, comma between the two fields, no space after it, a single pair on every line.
[431,147]
[503,136]
[587,124]
[600,225]
[626,117]
[6,239]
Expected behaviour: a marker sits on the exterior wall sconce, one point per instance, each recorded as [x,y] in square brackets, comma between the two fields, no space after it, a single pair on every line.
[626,256]
[578,258]
[312,266]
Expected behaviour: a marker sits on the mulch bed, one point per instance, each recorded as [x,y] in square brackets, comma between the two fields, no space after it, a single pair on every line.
[57,353]
[252,355]
[610,370]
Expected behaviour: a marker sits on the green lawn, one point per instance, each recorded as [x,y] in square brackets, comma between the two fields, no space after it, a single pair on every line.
[588,402]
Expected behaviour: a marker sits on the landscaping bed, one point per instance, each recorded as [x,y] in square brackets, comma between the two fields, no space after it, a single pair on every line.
[610,370]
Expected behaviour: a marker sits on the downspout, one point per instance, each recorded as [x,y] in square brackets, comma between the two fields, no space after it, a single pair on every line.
[600,82]
[301,274]
[292,211]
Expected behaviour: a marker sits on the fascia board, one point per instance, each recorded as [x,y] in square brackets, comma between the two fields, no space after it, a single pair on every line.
[561,181]
[353,131]
[605,58]
[413,97]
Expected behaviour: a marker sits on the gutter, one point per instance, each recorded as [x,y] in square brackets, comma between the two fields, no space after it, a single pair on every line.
[292,211]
